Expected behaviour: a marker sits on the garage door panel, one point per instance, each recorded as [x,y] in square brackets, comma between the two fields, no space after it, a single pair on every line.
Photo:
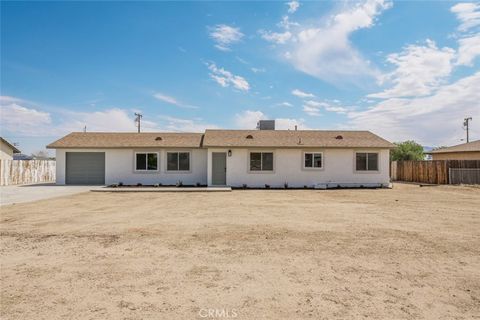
[85,168]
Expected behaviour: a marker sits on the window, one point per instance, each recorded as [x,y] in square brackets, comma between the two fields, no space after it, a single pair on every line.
[146,161]
[366,161]
[178,161]
[313,160]
[261,161]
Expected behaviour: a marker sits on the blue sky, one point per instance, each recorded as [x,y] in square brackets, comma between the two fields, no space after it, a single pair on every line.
[404,70]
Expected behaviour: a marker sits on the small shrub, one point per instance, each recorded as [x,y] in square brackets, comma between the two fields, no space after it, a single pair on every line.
[198,184]
[244,186]
[120,184]
[267,186]
[139,184]
[285,185]
[305,187]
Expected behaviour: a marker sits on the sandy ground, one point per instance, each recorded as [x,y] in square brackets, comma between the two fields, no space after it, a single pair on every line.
[406,253]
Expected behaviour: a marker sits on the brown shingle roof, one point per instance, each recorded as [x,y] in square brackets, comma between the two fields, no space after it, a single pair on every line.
[128,140]
[292,138]
[223,138]
[473,146]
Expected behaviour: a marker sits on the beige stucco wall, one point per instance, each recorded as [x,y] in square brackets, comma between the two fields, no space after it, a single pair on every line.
[6,152]
[338,168]
[456,156]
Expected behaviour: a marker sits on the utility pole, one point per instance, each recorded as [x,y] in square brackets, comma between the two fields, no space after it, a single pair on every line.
[465,124]
[138,119]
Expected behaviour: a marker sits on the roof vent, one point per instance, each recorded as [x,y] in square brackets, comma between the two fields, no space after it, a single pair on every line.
[158,139]
[339,137]
[249,137]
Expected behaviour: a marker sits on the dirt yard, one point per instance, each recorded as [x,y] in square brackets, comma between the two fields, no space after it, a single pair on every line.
[406,253]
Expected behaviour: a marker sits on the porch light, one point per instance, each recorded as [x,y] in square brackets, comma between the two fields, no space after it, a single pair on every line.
[229,153]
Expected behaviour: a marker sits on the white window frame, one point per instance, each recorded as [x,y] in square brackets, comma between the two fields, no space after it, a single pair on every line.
[261,161]
[366,171]
[313,153]
[178,161]
[146,170]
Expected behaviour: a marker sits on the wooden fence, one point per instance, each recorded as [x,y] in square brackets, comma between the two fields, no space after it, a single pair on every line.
[26,171]
[434,172]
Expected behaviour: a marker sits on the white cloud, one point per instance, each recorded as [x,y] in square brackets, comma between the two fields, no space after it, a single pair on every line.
[289,124]
[113,119]
[432,120]
[224,36]
[22,120]
[468,14]
[293,6]
[258,70]
[325,50]
[468,50]
[419,70]
[287,24]
[165,98]
[285,104]
[248,120]
[184,125]
[36,123]
[302,94]
[8,99]
[313,108]
[226,78]
[276,37]
[30,121]
[171,100]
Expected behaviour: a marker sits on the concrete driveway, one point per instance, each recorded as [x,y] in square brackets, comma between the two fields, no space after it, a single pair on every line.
[34,192]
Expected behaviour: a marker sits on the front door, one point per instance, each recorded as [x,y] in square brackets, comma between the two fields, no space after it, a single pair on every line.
[219,168]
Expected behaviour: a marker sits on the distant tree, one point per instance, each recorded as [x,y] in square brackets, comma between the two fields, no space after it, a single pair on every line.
[407,150]
[41,154]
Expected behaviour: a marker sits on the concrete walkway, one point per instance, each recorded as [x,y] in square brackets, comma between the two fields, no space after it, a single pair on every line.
[163,189]
[34,192]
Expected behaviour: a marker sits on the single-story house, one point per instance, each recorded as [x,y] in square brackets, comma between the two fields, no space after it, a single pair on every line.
[237,158]
[464,151]
[7,150]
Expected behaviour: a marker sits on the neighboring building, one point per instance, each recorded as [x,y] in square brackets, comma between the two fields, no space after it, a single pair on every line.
[21,156]
[464,151]
[7,150]
[254,158]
